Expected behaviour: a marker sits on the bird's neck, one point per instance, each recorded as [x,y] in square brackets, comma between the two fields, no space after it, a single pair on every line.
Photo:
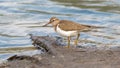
[55,27]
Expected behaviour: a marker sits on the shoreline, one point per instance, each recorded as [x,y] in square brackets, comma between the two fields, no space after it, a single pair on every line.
[61,57]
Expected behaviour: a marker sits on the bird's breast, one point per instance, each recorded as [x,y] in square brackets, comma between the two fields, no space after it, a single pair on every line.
[65,33]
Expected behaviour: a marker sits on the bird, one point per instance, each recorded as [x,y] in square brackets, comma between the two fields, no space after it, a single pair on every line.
[68,28]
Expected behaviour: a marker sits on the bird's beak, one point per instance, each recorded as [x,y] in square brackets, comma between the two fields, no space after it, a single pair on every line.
[46,24]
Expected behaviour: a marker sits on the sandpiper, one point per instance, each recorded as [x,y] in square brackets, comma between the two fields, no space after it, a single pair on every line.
[68,28]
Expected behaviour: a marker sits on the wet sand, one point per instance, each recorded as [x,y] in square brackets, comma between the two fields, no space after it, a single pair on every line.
[84,57]
[70,58]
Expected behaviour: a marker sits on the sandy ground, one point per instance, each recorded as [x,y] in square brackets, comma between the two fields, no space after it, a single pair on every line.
[61,57]
[71,58]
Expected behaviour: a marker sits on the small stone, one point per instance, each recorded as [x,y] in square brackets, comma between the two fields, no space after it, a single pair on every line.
[53,56]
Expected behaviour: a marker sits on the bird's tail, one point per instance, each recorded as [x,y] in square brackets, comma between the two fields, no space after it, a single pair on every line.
[90,27]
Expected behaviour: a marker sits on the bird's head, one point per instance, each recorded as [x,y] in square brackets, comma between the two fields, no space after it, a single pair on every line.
[53,20]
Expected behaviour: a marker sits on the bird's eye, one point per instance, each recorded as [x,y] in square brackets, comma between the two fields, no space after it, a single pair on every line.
[53,20]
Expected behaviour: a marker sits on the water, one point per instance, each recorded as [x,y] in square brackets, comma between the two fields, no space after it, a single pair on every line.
[18,18]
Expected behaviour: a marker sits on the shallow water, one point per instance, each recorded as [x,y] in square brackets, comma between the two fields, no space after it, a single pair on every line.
[18,18]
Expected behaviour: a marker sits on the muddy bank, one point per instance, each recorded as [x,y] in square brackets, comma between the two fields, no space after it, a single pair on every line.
[60,57]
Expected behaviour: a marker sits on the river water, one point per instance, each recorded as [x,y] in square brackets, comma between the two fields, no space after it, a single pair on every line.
[18,18]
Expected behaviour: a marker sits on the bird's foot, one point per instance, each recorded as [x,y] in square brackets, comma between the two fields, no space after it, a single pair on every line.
[66,46]
[76,42]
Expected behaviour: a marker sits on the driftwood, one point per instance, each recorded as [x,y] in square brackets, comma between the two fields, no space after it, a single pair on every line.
[45,43]
[22,57]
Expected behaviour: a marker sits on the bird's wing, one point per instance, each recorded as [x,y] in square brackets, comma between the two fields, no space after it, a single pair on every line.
[69,25]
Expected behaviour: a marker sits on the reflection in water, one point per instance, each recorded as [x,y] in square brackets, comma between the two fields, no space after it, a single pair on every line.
[15,49]
[18,18]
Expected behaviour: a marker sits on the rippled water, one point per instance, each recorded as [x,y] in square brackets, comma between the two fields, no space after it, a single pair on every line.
[18,18]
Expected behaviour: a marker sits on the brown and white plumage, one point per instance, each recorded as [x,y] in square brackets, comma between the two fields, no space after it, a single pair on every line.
[69,25]
[68,28]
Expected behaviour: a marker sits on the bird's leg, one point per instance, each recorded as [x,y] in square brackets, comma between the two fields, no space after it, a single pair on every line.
[76,41]
[68,42]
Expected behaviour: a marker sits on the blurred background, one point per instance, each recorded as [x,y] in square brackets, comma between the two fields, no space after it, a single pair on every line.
[18,18]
